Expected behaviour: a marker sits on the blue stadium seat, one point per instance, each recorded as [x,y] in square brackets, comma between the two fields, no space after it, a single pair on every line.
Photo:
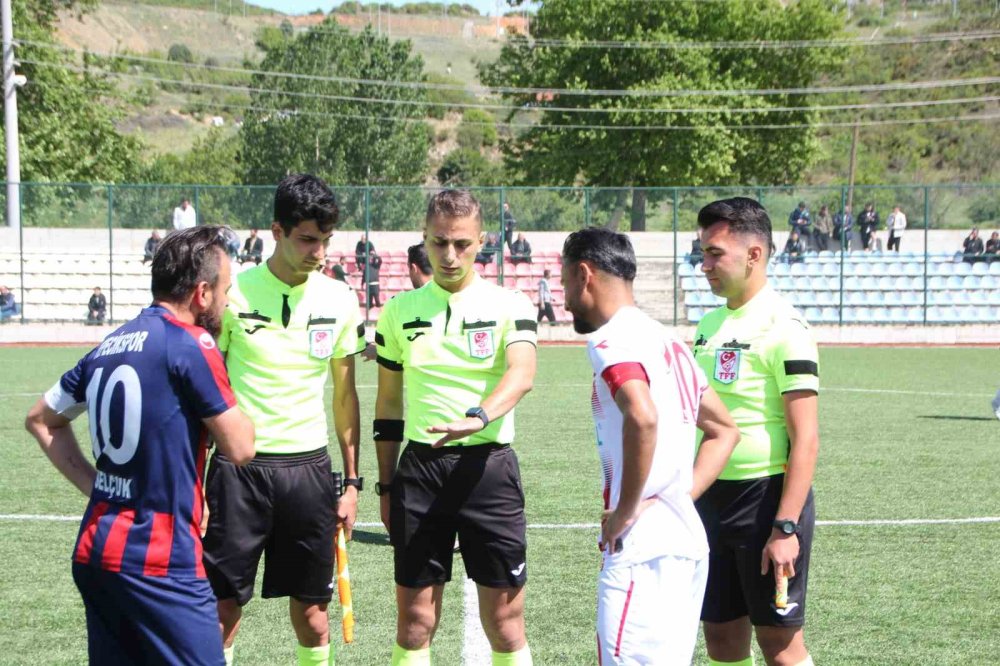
[869,284]
[880,315]
[894,298]
[831,270]
[781,269]
[984,314]
[797,269]
[850,315]
[694,315]
[874,298]
[880,269]
[913,268]
[968,314]
[689,284]
[978,297]
[961,269]
[980,268]
[814,269]
[954,282]
[897,315]
[864,315]
[957,298]
[886,282]
[826,255]
[971,282]
[855,298]
[943,269]
[830,316]
[995,268]
[691,298]
[685,270]
[939,297]
[951,315]
[989,282]
[813,315]
[937,282]
[914,315]
[895,268]
[827,298]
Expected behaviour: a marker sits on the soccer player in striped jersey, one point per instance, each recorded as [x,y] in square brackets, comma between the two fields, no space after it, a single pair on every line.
[648,398]
[154,390]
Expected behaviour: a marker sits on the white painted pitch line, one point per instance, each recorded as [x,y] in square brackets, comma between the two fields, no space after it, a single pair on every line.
[476,649]
[35,517]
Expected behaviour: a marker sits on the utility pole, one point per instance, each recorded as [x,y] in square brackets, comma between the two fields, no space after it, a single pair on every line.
[10,83]
[852,169]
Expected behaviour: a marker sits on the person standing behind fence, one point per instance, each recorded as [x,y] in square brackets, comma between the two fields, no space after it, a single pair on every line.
[545,298]
[896,224]
[185,216]
[868,224]
[822,229]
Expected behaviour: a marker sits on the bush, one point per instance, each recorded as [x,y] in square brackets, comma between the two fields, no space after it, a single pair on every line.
[477,129]
[179,53]
[446,97]
[985,208]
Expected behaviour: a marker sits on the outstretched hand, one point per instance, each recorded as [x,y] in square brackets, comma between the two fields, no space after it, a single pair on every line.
[456,430]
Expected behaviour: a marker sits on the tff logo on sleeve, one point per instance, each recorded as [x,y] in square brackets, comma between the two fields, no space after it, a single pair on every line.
[727,365]
[481,344]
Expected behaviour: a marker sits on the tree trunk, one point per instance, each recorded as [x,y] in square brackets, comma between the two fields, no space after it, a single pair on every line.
[638,210]
[616,215]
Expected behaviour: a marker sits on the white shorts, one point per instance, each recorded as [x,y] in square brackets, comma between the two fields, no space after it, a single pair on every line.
[647,614]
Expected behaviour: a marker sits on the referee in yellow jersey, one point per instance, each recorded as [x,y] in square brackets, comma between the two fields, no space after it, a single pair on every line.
[465,349]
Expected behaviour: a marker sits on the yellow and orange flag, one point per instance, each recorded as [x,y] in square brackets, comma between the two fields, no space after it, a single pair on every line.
[344,587]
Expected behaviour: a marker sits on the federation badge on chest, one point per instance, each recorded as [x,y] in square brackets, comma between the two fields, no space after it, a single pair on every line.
[481,344]
[727,365]
[321,343]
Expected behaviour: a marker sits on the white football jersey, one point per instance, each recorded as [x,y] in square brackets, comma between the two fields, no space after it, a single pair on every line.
[632,345]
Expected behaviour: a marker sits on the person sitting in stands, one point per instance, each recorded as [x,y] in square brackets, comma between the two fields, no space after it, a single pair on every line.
[152,243]
[8,304]
[972,247]
[96,307]
[253,249]
[992,252]
[520,251]
[490,248]
[793,248]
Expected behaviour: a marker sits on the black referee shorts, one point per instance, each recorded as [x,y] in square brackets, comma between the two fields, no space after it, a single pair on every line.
[474,492]
[738,518]
[283,506]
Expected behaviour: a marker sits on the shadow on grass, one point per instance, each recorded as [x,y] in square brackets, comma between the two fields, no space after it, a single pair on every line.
[941,417]
[377,538]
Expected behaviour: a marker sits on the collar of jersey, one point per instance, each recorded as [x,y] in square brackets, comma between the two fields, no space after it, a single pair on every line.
[446,295]
[758,302]
[278,284]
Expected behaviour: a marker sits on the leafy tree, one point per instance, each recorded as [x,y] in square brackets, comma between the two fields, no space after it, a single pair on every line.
[714,152]
[477,129]
[67,117]
[179,53]
[307,125]
[463,167]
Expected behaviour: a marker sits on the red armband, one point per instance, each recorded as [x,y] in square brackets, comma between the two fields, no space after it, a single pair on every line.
[616,375]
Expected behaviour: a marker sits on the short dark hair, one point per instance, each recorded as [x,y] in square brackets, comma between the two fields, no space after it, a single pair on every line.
[609,251]
[744,216]
[186,258]
[452,204]
[417,255]
[302,197]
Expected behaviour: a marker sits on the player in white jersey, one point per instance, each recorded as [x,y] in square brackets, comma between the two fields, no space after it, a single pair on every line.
[648,397]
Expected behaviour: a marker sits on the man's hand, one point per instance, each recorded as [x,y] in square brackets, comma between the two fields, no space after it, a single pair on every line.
[347,510]
[782,549]
[370,352]
[614,524]
[456,430]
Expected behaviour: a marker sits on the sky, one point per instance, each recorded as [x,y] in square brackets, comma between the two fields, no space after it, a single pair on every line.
[306,6]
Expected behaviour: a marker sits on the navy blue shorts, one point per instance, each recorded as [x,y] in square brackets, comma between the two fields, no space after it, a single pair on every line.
[149,620]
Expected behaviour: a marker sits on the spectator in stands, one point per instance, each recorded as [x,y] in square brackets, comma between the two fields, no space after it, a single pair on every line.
[96,307]
[152,243]
[520,251]
[419,265]
[843,227]
[490,248]
[253,249]
[696,254]
[338,271]
[799,220]
[822,229]
[992,252]
[185,216]
[793,248]
[363,248]
[8,304]
[371,278]
[972,247]
[896,224]
[545,298]
[509,225]
[867,224]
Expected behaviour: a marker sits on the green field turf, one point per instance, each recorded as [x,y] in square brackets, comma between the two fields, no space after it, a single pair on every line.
[905,433]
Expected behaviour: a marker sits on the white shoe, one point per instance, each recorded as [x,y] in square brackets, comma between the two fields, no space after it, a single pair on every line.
[996,405]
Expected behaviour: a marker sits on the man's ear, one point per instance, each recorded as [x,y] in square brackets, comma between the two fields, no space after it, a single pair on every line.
[200,297]
[276,231]
[755,255]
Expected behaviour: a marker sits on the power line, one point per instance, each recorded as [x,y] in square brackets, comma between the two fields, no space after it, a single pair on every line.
[286,113]
[568,92]
[603,111]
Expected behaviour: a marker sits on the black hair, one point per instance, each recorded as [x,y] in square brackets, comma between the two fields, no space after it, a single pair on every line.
[186,258]
[451,204]
[302,197]
[417,255]
[743,215]
[609,251]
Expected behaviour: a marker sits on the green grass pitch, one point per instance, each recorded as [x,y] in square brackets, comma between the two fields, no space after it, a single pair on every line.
[905,433]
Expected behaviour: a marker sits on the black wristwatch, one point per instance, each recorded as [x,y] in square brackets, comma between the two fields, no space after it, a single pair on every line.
[479,413]
[786,527]
[382,488]
[358,483]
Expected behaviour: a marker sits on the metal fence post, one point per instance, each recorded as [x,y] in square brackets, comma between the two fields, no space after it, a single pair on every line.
[20,241]
[111,255]
[845,243]
[197,206]
[586,207]
[368,231]
[927,224]
[673,267]
[503,239]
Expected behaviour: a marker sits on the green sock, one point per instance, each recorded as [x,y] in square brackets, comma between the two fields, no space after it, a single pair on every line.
[227,652]
[314,656]
[402,657]
[742,662]
[520,658]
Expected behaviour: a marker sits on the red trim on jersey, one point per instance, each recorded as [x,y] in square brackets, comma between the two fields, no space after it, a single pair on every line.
[212,356]
[616,375]
[621,626]
[161,541]
[114,545]
[199,503]
[86,543]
